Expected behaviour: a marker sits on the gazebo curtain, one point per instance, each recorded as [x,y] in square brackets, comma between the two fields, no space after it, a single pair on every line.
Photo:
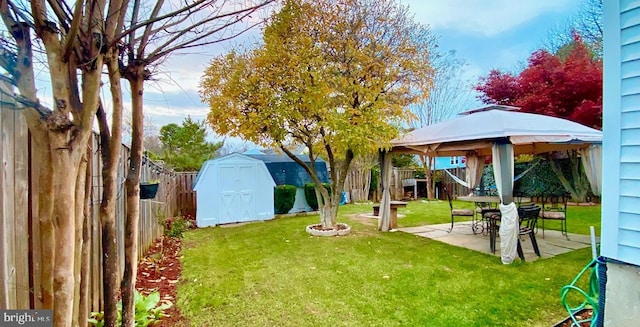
[592,163]
[474,166]
[503,171]
[385,181]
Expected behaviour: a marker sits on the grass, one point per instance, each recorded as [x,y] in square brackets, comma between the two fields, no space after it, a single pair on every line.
[274,274]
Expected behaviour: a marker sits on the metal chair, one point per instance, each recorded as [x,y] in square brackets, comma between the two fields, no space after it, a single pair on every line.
[457,212]
[554,207]
[493,225]
[528,217]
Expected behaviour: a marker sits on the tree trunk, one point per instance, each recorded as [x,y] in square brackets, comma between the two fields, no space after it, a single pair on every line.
[64,166]
[83,310]
[110,151]
[580,186]
[133,200]
[328,214]
[324,204]
[328,203]
[60,135]
[79,229]
[109,247]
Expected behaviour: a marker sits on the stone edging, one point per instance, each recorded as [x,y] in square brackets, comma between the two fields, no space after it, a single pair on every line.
[333,232]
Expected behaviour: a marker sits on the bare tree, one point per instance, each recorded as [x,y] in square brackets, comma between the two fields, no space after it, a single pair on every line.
[150,128]
[78,42]
[359,175]
[586,22]
[75,40]
[448,95]
[233,146]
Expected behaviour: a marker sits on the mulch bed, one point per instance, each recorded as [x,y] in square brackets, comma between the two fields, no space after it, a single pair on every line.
[160,270]
[582,315]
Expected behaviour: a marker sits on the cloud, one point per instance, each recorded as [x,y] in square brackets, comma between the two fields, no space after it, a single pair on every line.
[481,17]
[196,112]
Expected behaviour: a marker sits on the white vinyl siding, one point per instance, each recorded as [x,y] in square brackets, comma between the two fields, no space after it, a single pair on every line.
[621,188]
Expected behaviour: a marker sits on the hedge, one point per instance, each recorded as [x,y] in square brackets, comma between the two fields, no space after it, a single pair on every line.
[284,197]
[310,194]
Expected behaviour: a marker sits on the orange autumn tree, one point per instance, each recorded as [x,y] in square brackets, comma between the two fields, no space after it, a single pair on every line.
[334,77]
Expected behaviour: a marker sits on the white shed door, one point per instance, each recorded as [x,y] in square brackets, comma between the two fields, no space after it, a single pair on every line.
[237,191]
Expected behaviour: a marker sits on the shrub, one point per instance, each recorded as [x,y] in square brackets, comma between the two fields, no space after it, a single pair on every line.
[148,310]
[284,197]
[176,226]
[310,194]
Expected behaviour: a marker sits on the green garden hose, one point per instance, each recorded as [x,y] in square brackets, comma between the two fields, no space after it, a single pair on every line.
[590,296]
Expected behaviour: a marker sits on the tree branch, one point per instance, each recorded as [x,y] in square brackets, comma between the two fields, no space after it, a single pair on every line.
[134,21]
[8,61]
[187,45]
[43,111]
[105,133]
[161,51]
[147,31]
[63,17]
[73,30]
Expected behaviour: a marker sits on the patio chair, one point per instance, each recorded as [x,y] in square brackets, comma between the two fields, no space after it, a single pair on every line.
[554,207]
[522,200]
[457,212]
[528,217]
[493,226]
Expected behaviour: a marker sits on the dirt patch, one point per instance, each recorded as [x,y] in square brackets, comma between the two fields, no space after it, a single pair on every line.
[160,270]
[363,219]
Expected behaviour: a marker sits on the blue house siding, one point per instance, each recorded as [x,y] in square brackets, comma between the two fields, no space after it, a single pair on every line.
[448,163]
[621,141]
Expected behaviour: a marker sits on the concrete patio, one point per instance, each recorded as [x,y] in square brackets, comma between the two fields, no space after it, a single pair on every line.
[553,243]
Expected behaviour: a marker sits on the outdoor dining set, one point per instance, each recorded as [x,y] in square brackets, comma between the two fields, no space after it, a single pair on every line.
[486,217]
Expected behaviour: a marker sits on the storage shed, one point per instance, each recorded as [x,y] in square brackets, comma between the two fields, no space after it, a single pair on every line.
[286,171]
[234,188]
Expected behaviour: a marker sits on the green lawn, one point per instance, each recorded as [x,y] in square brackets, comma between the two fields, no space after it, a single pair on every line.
[274,274]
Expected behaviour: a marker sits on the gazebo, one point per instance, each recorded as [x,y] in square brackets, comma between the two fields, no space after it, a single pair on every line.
[500,132]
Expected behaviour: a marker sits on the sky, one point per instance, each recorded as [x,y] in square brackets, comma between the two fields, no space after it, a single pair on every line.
[486,34]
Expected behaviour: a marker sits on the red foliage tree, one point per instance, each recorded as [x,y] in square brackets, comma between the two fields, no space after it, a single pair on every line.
[569,88]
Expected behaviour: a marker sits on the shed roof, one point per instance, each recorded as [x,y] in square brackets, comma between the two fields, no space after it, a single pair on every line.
[285,170]
[213,161]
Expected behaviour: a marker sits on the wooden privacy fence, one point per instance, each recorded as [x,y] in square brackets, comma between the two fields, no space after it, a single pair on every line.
[19,236]
[186,196]
[454,188]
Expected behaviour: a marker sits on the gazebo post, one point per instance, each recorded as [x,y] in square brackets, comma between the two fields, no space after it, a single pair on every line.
[503,171]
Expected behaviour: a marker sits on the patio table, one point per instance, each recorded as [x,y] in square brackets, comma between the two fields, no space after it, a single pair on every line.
[489,198]
[479,200]
[492,216]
